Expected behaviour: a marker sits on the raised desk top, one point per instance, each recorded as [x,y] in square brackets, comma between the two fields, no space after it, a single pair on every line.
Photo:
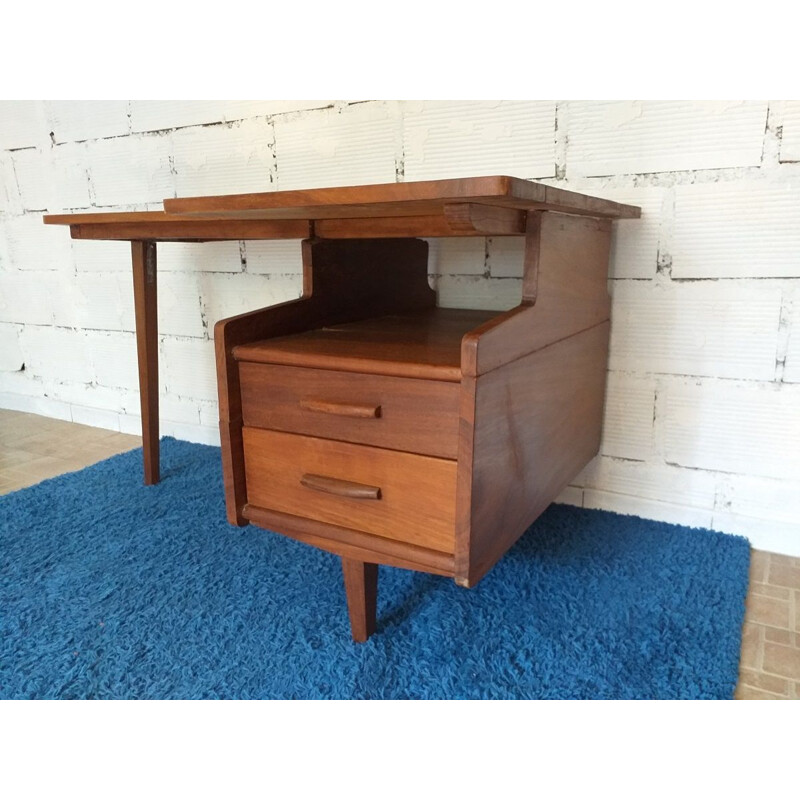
[484,206]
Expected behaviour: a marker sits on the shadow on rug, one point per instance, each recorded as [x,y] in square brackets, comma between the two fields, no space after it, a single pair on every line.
[110,589]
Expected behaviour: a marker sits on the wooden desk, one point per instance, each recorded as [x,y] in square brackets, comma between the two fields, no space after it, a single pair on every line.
[361,418]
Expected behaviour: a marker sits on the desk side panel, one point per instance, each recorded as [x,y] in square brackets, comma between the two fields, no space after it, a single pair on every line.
[537,423]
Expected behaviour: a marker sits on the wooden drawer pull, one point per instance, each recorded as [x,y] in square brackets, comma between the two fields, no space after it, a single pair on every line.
[358,491]
[342,409]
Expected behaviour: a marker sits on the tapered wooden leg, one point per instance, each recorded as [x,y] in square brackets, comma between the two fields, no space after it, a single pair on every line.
[361,585]
[143,255]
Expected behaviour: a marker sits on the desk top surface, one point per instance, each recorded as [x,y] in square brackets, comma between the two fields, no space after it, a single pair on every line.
[483,206]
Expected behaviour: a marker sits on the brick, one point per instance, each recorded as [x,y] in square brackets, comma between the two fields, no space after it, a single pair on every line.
[189,368]
[131,170]
[648,509]
[764,533]
[791,370]
[100,256]
[790,140]
[70,178]
[736,230]
[205,257]
[337,147]
[102,301]
[505,256]
[726,331]
[33,170]
[31,245]
[634,242]
[53,179]
[781,660]
[22,124]
[224,159]
[745,692]
[179,304]
[624,137]
[78,120]
[227,295]
[9,194]
[733,427]
[456,139]
[11,358]
[28,297]
[280,257]
[767,683]
[56,354]
[681,487]
[628,416]
[571,496]
[767,590]
[171,410]
[457,256]
[154,115]
[776,499]
[96,417]
[113,359]
[45,406]
[768,611]
[466,291]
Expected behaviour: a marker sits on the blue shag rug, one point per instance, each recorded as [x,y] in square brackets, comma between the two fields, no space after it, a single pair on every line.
[110,589]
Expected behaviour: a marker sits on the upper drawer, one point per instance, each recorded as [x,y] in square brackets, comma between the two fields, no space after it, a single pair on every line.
[417,416]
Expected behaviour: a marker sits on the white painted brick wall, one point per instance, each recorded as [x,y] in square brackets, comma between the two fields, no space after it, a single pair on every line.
[462,139]
[790,140]
[698,328]
[338,147]
[22,124]
[731,426]
[11,358]
[78,120]
[224,159]
[702,417]
[131,169]
[737,229]
[634,242]
[628,418]
[624,137]
[279,257]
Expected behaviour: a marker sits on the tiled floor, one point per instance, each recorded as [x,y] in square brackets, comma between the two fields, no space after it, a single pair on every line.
[33,448]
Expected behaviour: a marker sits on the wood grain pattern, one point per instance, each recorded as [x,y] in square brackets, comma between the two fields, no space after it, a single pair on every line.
[342,281]
[361,588]
[566,264]
[533,424]
[145,301]
[353,544]
[414,345]
[414,415]
[479,218]
[417,493]
[393,199]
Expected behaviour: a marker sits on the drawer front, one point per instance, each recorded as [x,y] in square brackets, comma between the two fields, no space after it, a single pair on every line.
[399,496]
[417,416]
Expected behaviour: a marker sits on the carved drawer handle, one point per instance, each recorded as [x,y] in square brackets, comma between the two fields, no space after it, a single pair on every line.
[342,409]
[357,491]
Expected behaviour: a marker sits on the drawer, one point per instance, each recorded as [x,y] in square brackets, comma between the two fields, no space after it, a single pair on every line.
[409,414]
[400,496]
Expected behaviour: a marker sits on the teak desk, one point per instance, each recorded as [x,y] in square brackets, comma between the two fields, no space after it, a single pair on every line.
[366,421]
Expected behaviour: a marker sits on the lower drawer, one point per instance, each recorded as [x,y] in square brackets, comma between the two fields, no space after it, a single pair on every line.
[396,495]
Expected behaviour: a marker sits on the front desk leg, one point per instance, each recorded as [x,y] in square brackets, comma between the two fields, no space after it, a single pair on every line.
[143,255]
[361,587]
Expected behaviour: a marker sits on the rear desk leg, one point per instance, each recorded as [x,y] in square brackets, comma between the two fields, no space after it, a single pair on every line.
[361,585]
